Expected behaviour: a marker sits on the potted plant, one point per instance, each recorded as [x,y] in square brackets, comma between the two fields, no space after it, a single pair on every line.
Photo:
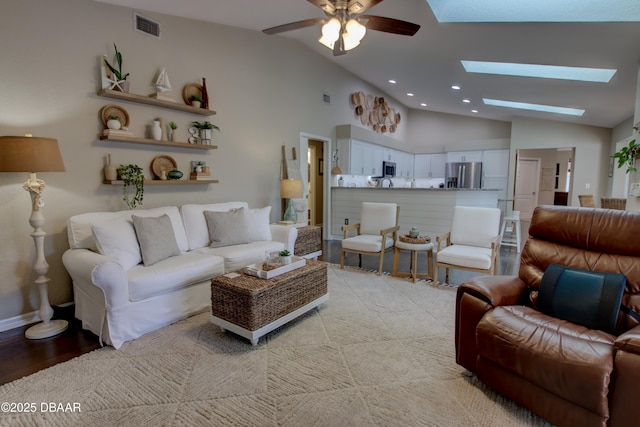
[195,101]
[132,176]
[173,127]
[285,257]
[121,83]
[205,128]
[114,123]
[627,155]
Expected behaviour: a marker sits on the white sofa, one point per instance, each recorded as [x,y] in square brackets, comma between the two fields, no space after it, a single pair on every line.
[119,299]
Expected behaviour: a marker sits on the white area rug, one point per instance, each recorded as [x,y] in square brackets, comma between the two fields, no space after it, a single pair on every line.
[379,352]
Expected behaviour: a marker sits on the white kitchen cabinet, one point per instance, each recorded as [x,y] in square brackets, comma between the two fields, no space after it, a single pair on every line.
[359,158]
[389,154]
[404,164]
[430,165]
[464,156]
[495,163]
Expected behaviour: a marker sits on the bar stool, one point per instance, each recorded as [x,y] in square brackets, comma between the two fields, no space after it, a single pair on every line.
[413,266]
[510,230]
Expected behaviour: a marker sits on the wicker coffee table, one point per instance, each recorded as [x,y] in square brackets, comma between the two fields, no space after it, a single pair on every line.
[252,307]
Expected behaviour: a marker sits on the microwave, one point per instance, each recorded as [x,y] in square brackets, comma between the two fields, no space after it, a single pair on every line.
[388,169]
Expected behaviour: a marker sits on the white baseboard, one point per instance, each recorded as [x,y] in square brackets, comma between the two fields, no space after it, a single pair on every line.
[24,319]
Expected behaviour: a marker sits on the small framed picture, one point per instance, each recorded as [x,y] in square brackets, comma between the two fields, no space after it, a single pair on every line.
[197,165]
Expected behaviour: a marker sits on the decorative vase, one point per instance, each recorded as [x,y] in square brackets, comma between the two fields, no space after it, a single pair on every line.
[205,95]
[172,136]
[414,232]
[122,86]
[205,136]
[110,170]
[156,130]
[285,259]
[195,104]
[113,124]
[174,174]
[163,127]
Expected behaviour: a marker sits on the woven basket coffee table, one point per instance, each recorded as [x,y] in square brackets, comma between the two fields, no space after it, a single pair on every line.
[252,307]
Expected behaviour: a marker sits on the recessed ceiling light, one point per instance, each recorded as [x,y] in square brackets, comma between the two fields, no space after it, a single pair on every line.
[423,104]
[535,11]
[455,87]
[466,101]
[392,81]
[599,75]
[534,107]
[474,111]
[409,94]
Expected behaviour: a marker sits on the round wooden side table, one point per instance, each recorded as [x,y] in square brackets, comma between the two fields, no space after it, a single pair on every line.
[415,245]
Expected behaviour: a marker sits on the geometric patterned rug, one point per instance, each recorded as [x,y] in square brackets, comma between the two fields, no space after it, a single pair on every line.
[378,352]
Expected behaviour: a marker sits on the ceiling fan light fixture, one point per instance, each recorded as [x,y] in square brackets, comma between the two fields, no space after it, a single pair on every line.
[355,29]
[326,42]
[331,30]
[349,42]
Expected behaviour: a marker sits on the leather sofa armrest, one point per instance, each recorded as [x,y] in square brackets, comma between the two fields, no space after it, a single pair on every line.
[495,290]
[474,299]
[629,341]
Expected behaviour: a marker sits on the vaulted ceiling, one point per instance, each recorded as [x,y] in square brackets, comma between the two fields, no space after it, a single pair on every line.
[428,64]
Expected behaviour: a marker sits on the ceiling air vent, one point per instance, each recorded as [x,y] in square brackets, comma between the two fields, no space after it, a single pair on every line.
[146,25]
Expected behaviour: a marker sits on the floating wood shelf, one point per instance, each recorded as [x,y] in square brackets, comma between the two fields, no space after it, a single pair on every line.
[167,182]
[155,142]
[141,99]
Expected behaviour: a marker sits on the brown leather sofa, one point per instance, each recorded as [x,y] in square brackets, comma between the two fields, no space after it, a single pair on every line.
[565,373]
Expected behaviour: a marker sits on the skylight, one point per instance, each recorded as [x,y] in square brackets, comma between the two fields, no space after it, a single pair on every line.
[535,11]
[599,75]
[534,107]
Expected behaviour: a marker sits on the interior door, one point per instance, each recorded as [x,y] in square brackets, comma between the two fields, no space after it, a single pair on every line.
[526,190]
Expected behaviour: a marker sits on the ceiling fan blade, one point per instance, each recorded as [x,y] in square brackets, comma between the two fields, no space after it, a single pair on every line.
[293,26]
[390,25]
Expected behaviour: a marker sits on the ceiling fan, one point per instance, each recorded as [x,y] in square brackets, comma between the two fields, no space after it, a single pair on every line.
[344,25]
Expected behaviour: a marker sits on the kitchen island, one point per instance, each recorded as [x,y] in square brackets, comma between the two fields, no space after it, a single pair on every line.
[429,209]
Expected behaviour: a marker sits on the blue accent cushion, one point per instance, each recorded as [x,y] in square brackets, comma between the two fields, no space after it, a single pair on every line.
[588,298]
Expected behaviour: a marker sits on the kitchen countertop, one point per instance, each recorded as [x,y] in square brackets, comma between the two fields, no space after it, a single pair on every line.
[415,189]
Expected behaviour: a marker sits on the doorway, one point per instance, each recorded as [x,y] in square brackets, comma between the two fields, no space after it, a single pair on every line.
[315,159]
[526,191]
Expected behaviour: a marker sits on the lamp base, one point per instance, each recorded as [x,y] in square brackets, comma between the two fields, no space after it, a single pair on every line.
[290,214]
[46,329]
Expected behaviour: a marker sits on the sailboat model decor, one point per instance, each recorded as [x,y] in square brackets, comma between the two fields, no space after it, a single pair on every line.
[162,87]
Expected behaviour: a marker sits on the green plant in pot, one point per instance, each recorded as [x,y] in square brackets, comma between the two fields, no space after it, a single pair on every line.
[285,257]
[627,155]
[121,78]
[206,129]
[132,176]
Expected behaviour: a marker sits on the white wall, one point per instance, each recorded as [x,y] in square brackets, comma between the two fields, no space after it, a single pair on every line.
[266,91]
[591,144]
[433,132]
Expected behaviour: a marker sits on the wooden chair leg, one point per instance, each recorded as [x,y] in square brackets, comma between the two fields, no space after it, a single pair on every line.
[414,265]
[360,260]
[342,261]
[396,258]
[430,266]
[381,261]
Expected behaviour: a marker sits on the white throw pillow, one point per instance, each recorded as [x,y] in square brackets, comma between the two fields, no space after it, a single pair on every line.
[116,239]
[157,238]
[227,228]
[257,223]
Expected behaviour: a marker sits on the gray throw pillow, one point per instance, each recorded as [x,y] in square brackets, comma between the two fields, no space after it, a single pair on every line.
[227,228]
[156,237]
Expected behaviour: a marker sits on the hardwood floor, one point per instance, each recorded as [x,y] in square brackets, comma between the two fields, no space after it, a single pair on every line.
[20,357]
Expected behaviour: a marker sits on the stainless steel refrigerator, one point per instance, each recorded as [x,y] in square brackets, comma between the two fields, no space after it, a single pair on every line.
[463,175]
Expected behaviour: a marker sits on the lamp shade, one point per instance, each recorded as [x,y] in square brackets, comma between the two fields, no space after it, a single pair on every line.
[290,189]
[30,154]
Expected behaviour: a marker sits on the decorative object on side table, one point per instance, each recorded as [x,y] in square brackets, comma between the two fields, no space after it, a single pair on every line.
[414,232]
[205,129]
[175,175]
[111,113]
[162,165]
[29,154]
[117,79]
[199,170]
[290,189]
[114,123]
[132,175]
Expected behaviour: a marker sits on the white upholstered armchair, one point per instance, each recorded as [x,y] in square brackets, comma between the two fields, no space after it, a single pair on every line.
[375,233]
[473,243]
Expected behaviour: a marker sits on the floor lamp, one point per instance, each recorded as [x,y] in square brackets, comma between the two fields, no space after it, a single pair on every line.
[290,189]
[33,154]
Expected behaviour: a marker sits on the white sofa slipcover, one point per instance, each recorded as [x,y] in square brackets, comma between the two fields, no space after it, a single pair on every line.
[120,304]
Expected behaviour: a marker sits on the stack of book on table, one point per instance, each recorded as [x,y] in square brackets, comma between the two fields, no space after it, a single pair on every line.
[116,133]
[200,175]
